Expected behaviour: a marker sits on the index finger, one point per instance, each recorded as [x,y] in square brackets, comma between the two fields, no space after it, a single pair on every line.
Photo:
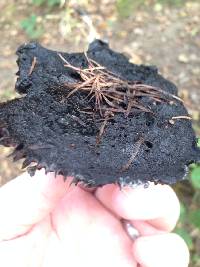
[157,204]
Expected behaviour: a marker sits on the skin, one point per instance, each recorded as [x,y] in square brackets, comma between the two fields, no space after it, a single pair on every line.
[45,222]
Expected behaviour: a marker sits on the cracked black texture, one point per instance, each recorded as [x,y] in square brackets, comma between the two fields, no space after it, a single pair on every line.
[40,125]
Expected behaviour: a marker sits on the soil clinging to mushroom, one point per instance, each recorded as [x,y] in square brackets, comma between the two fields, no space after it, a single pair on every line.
[97,117]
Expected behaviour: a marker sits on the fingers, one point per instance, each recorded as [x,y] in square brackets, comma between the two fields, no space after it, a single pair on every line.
[88,230]
[26,200]
[161,250]
[157,204]
[145,229]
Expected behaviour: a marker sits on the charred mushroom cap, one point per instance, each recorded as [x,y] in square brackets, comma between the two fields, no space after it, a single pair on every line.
[154,141]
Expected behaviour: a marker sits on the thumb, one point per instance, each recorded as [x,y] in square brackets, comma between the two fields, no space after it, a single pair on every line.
[26,200]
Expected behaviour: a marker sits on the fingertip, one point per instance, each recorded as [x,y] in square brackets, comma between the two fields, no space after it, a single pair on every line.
[161,250]
[170,207]
[158,204]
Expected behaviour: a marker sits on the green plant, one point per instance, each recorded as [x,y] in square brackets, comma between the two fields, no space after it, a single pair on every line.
[50,3]
[38,2]
[180,230]
[189,221]
[31,27]
[195,176]
[126,7]
[186,236]
[172,2]
[198,142]
[194,218]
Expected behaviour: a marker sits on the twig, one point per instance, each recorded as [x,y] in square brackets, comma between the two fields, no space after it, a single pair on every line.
[32,66]
[102,128]
[181,117]
[134,154]
[75,118]
[111,94]
[172,120]
[106,87]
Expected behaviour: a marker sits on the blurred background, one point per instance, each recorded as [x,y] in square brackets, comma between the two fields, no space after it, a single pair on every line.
[165,33]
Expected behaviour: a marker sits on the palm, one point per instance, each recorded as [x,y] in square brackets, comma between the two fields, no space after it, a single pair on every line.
[71,227]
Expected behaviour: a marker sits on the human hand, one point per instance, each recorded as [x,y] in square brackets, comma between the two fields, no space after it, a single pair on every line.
[46,222]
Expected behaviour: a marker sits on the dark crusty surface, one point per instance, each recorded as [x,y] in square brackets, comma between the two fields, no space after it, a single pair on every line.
[40,124]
